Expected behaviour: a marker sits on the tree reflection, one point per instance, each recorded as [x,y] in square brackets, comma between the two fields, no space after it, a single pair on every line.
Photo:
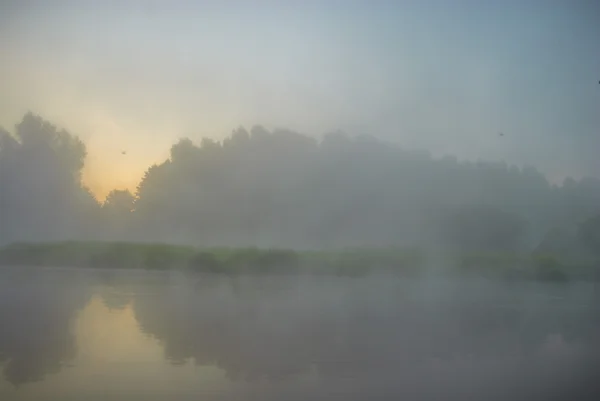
[36,312]
[361,337]
[278,328]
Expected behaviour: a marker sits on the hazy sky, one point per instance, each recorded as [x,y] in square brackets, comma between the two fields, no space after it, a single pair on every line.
[442,75]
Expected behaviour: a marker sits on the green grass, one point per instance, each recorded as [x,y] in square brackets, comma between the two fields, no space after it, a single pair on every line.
[350,262]
[96,254]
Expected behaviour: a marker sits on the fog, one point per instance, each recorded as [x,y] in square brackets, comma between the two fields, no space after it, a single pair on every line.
[426,75]
[473,106]
[449,129]
[340,338]
[299,336]
[304,336]
[285,189]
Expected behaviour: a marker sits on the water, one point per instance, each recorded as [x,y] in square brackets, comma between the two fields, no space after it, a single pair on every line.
[126,335]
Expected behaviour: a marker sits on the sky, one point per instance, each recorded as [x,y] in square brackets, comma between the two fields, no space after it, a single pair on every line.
[446,76]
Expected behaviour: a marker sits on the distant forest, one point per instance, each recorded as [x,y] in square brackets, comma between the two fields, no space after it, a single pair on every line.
[282,189]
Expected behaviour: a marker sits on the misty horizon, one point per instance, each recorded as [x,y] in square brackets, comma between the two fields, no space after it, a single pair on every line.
[425,75]
[101,191]
[281,188]
[277,200]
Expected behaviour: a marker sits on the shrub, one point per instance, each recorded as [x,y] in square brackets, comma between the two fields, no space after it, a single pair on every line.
[256,260]
[116,255]
[276,260]
[548,268]
[160,257]
[352,264]
[205,262]
[23,254]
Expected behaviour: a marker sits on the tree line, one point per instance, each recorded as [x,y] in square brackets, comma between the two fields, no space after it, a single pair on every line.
[283,189]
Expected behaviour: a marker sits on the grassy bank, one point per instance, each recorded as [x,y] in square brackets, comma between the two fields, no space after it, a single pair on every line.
[123,255]
[410,262]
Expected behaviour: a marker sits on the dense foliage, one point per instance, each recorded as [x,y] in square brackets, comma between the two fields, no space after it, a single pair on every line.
[409,262]
[286,190]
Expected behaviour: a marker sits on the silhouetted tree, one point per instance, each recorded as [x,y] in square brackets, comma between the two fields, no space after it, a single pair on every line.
[119,202]
[40,182]
[117,211]
[280,188]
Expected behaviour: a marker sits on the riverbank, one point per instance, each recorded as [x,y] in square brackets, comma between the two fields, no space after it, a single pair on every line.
[409,262]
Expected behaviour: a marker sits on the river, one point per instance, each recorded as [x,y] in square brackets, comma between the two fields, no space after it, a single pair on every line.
[68,334]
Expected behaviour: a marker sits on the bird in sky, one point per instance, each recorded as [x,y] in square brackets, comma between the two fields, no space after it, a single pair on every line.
[501,133]
[124,152]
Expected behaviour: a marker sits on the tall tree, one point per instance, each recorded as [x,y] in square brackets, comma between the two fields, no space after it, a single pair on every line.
[40,182]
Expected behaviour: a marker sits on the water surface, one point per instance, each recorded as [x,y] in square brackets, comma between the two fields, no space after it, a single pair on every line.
[128,335]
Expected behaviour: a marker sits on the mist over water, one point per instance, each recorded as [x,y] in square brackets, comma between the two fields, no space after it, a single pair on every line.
[144,335]
[325,201]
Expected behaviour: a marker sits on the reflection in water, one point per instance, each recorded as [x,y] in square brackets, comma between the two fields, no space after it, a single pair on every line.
[35,320]
[109,358]
[381,337]
[141,335]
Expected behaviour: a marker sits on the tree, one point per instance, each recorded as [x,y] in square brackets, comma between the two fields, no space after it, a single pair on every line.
[589,234]
[483,228]
[40,182]
[117,211]
[280,188]
[119,202]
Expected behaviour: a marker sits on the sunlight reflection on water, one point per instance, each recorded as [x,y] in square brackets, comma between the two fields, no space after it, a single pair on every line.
[140,335]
